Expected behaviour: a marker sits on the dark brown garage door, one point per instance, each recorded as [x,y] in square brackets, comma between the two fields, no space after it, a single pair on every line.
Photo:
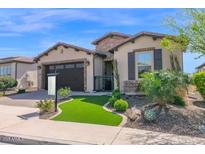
[70,75]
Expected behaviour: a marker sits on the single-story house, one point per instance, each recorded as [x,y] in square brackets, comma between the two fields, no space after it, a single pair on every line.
[201,68]
[23,69]
[91,70]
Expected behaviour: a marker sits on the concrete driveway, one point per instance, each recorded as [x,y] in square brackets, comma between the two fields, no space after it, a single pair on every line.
[27,99]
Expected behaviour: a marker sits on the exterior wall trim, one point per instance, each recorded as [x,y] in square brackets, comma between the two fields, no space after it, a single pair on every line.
[144,49]
[65,61]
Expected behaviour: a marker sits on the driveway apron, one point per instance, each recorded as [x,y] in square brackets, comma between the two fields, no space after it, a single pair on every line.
[26,100]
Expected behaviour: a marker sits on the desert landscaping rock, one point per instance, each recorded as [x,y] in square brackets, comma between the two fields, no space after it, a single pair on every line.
[133,113]
[180,121]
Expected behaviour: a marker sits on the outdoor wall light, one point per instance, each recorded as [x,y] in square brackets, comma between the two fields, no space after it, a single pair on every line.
[39,67]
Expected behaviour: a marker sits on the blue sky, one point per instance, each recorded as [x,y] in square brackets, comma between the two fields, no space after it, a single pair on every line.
[29,32]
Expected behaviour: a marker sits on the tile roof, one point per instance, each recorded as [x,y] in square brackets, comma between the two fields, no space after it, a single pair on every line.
[110,34]
[66,46]
[17,59]
[153,34]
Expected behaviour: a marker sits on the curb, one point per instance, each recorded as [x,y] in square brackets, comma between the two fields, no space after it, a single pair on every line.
[13,138]
[124,118]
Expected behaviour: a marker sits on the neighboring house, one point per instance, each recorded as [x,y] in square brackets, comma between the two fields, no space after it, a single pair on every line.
[23,69]
[201,68]
[86,70]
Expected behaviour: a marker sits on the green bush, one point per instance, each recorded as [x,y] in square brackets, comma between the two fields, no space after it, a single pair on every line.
[179,101]
[199,81]
[116,94]
[21,91]
[112,101]
[45,105]
[161,86]
[64,92]
[121,105]
[7,82]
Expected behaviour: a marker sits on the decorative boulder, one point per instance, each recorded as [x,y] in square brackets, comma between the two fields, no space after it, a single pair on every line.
[133,113]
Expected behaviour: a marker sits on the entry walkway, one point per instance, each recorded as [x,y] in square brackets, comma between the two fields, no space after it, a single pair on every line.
[77,133]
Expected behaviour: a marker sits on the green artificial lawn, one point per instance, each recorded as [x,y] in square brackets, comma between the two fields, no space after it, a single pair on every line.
[88,109]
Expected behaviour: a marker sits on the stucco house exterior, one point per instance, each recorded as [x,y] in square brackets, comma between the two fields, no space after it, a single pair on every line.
[23,69]
[91,70]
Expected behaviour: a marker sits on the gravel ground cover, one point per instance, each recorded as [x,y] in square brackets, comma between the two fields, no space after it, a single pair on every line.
[182,121]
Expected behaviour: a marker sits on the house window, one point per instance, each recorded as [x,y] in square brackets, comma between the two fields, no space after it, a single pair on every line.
[59,67]
[5,70]
[80,65]
[52,67]
[69,66]
[144,62]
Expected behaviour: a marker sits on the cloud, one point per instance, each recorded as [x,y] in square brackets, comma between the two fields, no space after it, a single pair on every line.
[4,34]
[8,49]
[29,20]
[7,52]
[104,16]
[47,42]
[19,22]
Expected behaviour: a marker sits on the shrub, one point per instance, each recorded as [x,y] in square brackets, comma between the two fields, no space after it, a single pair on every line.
[161,86]
[7,82]
[112,101]
[64,92]
[45,105]
[116,94]
[121,105]
[199,81]
[179,101]
[21,91]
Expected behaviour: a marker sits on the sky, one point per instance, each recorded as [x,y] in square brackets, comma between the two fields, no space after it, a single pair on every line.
[28,32]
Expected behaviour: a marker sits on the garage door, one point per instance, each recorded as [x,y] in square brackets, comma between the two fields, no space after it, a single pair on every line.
[70,75]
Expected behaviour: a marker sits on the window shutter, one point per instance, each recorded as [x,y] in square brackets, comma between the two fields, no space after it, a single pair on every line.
[131,66]
[157,59]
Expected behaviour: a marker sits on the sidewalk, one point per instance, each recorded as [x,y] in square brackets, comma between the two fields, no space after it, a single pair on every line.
[76,133]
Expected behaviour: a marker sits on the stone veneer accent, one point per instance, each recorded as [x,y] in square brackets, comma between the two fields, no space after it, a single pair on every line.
[131,86]
[109,42]
[41,76]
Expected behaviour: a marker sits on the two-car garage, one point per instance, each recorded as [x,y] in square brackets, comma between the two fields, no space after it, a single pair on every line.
[73,64]
[69,75]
